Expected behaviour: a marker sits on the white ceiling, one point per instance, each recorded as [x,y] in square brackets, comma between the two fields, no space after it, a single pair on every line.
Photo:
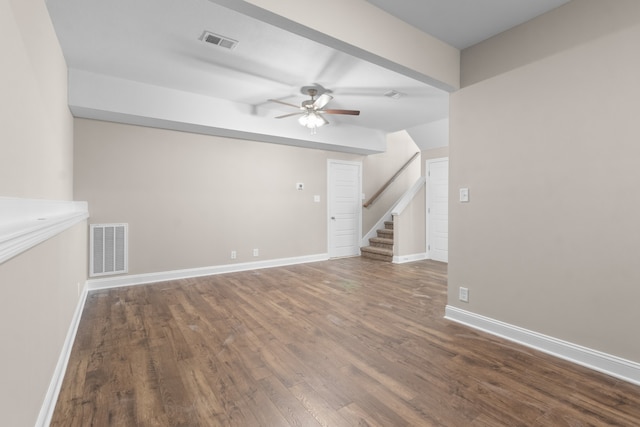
[156,43]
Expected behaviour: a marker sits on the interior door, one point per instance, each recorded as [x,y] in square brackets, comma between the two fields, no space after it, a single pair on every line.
[438,209]
[345,208]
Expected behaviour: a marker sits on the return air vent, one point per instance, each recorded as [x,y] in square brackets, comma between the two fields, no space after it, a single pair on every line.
[108,249]
[218,40]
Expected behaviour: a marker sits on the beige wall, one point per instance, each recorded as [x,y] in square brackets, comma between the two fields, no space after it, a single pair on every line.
[434,153]
[545,36]
[40,286]
[36,126]
[191,199]
[379,168]
[410,228]
[40,291]
[549,151]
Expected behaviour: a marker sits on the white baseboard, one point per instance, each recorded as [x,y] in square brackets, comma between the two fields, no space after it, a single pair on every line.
[50,399]
[611,365]
[401,259]
[141,279]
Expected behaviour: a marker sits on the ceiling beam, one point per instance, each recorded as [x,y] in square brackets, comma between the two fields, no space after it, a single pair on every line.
[97,96]
[361,29]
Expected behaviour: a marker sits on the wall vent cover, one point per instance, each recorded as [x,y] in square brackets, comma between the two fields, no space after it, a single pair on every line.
[218,40]
[108,249]
[394,94]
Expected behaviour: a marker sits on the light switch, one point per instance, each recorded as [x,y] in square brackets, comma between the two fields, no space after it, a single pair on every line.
[464,194]
[299,186]
[316,198]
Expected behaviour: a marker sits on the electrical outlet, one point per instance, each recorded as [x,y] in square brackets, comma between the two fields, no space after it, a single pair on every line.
[234,254]
[256,252]
[463,294]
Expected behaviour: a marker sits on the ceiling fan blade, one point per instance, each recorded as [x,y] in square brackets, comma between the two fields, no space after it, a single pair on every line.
[284,103]
[326,122]
[289,115]
[348,112]
[322,101]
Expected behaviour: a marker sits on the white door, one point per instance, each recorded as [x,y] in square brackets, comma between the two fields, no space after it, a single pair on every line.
[344,203]
[438,209]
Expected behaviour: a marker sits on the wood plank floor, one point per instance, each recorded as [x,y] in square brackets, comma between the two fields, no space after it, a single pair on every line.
[347,342]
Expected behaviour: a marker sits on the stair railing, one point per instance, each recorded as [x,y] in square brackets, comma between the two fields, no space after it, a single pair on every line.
[395,210]
[389,182]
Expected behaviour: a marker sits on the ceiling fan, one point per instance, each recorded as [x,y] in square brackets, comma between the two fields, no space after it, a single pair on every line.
[312,110]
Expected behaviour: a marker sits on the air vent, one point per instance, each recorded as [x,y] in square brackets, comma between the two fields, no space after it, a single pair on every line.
[393,94]
[108,247]
[218,40]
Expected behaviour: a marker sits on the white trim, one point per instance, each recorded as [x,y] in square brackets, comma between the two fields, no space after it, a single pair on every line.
[401,259]
[141,279]
[49,404]
[24,223]
[602,362]
[408,196]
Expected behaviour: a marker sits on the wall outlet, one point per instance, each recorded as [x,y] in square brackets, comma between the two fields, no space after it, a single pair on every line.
[256,252]
[463,294]
[234,254]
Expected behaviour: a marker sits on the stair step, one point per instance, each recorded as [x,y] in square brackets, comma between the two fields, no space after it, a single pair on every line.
[388,225]
[381,242]
[380,254]
[385,233]
[379,251]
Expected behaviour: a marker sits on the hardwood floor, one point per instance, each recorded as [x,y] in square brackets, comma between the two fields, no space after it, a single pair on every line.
[347,342]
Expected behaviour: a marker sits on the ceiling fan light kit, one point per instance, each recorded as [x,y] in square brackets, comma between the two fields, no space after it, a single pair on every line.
[312,120]
[312,114]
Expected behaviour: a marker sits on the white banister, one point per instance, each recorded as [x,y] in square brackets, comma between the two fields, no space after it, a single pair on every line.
[408,196]
[396,209]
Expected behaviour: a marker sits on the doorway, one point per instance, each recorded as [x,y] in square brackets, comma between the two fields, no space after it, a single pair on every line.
[344,208]
[437,171]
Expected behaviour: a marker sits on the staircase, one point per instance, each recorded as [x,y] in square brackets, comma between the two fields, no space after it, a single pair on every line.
[381,247]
